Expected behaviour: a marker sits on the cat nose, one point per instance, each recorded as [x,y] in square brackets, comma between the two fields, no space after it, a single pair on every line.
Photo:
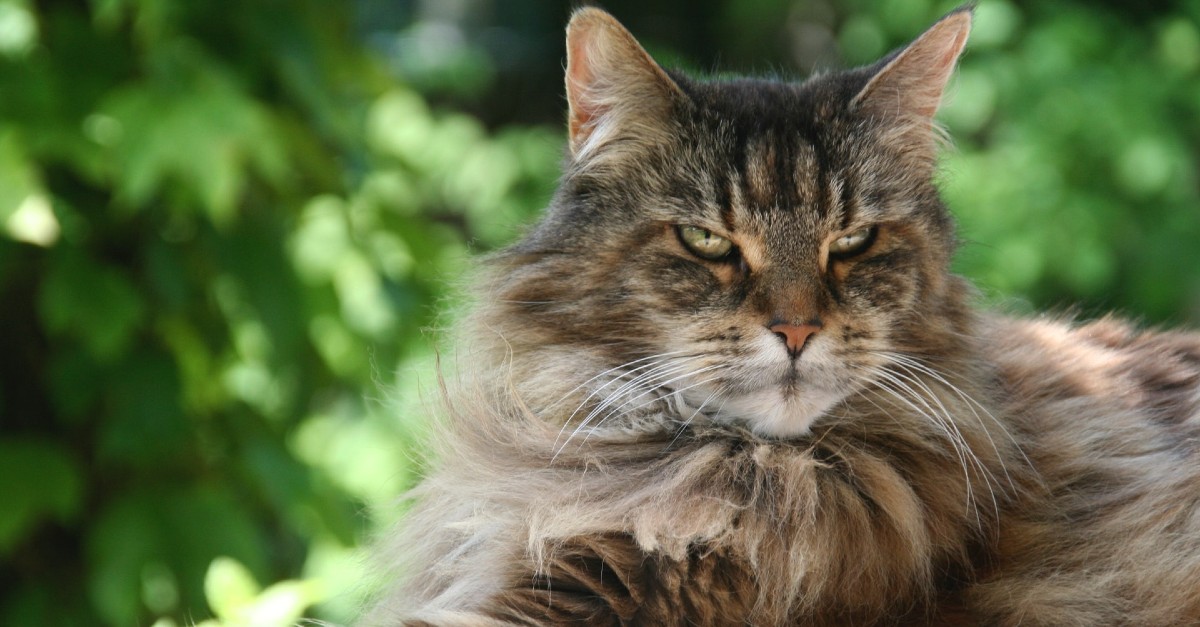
[795,336]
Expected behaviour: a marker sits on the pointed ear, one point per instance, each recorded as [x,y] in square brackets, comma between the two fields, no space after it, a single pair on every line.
[615,90]
[911,81]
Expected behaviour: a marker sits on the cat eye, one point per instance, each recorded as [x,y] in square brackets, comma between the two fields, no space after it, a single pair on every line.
[852,243]
[704,243]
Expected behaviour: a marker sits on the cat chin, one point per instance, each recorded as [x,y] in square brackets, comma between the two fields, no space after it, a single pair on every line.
[777,413]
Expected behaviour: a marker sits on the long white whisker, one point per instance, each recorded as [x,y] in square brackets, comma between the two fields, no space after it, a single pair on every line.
[682,389]
[651,376]
[660,385]
[971,402]
[885,381]
[654,369]
[986,431]
[611,370]
[683,427]
[953,424]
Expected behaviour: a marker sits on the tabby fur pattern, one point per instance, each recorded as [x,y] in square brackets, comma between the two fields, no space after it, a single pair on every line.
[633,438]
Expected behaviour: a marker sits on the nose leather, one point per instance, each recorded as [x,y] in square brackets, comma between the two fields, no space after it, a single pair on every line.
[795,336]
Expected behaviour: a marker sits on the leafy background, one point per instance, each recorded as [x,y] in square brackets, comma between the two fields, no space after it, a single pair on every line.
[226,228]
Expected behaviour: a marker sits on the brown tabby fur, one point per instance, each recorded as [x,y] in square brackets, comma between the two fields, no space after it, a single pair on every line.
[628,443]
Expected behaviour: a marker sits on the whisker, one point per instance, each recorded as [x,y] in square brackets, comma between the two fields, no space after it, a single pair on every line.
[615,411]
[885,381]
[611,370]
[972,404]
[683,389]
[953,424]
[916,363]
[652,376]
[720,391]
[653,368]
[999,456]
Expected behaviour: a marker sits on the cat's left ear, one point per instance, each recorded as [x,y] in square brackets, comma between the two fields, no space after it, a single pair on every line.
[911,81]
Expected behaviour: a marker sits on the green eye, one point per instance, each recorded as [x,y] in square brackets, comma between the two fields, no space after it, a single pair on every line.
[704,243]
[853,243]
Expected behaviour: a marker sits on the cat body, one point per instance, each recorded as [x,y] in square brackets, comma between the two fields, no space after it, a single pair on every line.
[729,379]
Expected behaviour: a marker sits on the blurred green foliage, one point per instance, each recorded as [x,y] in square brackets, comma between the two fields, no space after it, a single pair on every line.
[1076,172]
[225,228]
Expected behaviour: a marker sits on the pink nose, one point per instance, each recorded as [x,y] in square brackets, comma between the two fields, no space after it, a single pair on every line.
[794,335]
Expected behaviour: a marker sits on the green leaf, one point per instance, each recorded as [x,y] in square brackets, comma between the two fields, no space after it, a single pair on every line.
[206,136]
[75,380]
[288,486]
[181,528]
[19,177]
[109,13]
[263,287]
[229,587]
[92,302]
[124,537]
[145,423]
[39,480]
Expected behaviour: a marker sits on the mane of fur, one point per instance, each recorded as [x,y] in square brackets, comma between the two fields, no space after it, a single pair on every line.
[867,520]
[1083,510]
[979,469]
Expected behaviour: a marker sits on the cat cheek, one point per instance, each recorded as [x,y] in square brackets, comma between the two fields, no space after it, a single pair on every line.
[884,282]
[857,334]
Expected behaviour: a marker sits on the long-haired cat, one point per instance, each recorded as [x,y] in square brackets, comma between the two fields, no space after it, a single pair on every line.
[730,379]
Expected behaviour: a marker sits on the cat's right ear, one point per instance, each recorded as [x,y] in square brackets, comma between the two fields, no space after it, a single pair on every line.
[616,92]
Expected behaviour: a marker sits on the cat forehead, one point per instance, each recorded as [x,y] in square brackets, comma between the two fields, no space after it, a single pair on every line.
[772,173]
[776,151]
[754,168]
[756,125]
[758,105]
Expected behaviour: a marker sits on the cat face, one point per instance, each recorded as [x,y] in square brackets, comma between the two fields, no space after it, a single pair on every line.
[752,249]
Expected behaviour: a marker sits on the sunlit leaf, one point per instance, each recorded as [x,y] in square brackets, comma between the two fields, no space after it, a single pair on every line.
[19,179]
[209,138]
[281,604]
[229,588]
[18,28]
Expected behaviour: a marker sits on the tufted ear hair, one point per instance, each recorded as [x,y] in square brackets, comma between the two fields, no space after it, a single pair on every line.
[615,90]
[906,87]
[912,80]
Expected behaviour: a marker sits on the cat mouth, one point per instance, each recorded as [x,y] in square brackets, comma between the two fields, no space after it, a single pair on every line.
[792,382]
[793,378]
[781,404]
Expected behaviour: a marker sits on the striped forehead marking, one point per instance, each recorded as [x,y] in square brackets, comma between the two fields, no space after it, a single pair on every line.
[761,173]
[772,174]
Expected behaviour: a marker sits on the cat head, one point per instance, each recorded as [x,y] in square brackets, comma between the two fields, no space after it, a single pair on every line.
[754,249]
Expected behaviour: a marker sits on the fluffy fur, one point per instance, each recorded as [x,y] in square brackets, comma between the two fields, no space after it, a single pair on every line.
[631,443]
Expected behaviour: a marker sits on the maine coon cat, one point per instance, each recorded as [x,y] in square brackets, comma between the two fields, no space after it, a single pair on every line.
[730,379]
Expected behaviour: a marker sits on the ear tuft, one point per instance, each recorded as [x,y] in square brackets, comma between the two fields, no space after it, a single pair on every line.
[911,82]
[614,88]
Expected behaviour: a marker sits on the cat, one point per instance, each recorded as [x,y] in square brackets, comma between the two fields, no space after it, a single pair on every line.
[730,379]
